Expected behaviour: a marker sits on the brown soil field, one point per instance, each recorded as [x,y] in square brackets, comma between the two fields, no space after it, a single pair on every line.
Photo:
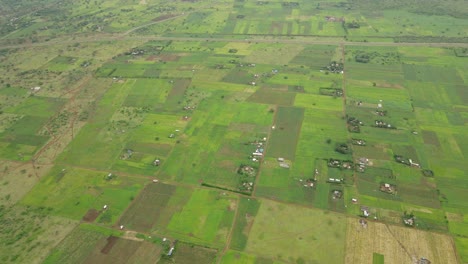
[119,250]
[110,244]
[397,244]
[146,208]
[91,215]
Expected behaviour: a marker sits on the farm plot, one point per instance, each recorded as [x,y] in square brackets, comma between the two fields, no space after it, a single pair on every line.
[268,96]
[205,219]
[217,142]
[284,184]
[431,74]
[72,192]
[25,136]
[189,253]
[261,53]
[148,93]
[320,132]
[101,140]
[383,75]
[75,248]
[37,106]
[61,63]
[147,208]
[152,140]
[396,244]
[248,209]
[285,136]
[21,140]
[118,250]
[234,257]
[315,57]
[285,233]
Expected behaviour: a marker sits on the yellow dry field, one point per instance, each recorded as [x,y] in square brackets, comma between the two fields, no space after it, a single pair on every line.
[397,244]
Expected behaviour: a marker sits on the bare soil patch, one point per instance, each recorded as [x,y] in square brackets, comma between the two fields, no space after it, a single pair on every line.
[110,244]
[91,215]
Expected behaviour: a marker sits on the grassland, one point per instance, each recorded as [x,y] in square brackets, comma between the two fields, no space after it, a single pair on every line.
[286,233]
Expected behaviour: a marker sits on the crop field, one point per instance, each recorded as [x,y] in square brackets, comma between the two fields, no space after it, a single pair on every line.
[208,224]
[72,192]
[117,250]
[246,212]
[286,233]
[148,207]
[396,244]
[188,253]
[233,131]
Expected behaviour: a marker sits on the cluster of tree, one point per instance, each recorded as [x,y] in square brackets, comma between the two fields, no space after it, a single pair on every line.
[353,24]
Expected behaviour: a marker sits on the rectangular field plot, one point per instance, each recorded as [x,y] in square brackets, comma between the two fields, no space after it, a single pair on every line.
[321,102]
[20,141]
[61,63]
[189,253]
[118,250]
[284,184]
[101,141]
[233,257]
[429,73]
[269,96]
[321,130]
[315,57]
[72,192]
[246,212]
[205,219]
[142,157]
[152,207]
[75,248]
[148,93]
[370,96]
[285,232]
[217,140]
[384,75]
[397,244]
[285,136]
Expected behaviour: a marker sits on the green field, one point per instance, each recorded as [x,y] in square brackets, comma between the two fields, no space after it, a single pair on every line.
[233,131]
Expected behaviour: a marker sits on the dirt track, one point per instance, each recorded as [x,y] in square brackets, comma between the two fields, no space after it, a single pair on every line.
[265,39]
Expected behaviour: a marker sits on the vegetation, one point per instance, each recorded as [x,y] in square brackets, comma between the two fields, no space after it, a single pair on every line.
[233,131]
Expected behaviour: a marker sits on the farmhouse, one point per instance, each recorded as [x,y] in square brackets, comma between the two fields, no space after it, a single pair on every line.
[365,211]
[388,188]
[333,180]
[414,164]
[363,222]
[337,194]
[358,142]
[156,162]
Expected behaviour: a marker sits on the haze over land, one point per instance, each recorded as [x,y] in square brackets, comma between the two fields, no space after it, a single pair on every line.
[236,131]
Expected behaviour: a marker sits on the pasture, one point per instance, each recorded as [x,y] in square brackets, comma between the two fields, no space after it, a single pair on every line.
[71,192]
[205,219]
[286,233]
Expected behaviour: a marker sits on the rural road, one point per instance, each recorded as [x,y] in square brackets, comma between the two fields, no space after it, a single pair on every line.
[259,39]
